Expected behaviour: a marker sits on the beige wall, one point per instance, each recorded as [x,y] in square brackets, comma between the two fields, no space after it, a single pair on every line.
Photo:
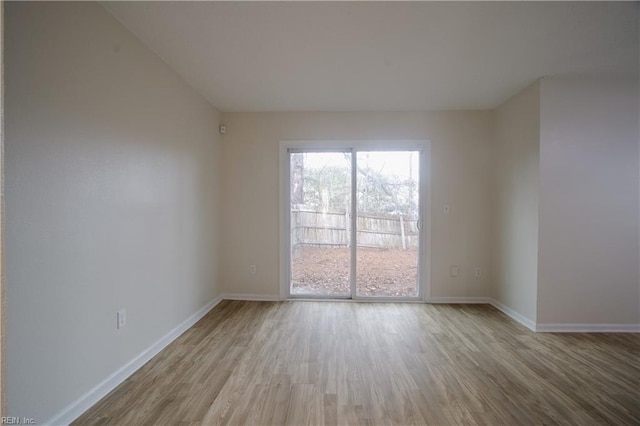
[111,192]
[460,176]
[515,217]
[588,217]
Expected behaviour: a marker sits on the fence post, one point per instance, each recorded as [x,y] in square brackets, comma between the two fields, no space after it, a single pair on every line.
[293,229]
[404,244]
[347,222]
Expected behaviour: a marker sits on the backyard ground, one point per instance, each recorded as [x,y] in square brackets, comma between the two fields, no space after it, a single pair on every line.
[381,272]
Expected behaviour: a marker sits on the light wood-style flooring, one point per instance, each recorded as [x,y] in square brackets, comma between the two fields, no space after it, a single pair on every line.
[298,363]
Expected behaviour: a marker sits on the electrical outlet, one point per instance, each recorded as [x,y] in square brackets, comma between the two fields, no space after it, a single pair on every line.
[122,318]
[252,269]
[454,270]
[478,272]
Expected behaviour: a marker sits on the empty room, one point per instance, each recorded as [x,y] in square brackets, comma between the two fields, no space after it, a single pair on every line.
[265,213]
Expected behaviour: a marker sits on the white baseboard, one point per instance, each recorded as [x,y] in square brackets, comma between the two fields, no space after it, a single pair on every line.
[251,297]
[82,404]
[565,327]
[588,328]
[531,325]
[462,300]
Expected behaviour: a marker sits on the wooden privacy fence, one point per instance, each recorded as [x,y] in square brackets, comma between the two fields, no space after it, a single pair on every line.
[320,229]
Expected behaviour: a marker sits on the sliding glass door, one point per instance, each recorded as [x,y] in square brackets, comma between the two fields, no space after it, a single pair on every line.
[320,188]
[387,195]
[354,223]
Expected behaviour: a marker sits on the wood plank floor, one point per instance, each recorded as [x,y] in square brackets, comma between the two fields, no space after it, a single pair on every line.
[298,363]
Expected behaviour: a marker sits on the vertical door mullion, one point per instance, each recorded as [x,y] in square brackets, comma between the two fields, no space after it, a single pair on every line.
[421,201]
[287,220]
[354,222]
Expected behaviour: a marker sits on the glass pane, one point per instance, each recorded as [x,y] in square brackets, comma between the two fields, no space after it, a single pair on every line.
[320,223]
[387,223]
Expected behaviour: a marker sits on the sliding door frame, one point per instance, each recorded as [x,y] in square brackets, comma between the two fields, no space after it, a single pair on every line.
[353,147]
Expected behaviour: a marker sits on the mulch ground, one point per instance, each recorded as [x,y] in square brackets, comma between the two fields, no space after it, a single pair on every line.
[381,272]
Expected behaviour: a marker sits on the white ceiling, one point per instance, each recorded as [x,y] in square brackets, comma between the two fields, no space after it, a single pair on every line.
[339,56]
